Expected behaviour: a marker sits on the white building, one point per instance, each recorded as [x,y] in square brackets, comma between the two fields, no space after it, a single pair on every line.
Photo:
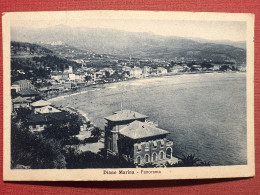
[69,71]
[177,68]
[147,70]
[136,72]
[161,70]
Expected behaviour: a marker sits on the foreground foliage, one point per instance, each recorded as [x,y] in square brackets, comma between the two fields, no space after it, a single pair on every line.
[34,151]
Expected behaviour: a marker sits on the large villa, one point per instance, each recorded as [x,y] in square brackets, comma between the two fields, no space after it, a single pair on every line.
[130,135]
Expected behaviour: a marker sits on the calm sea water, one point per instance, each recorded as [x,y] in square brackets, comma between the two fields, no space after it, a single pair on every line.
[205,113]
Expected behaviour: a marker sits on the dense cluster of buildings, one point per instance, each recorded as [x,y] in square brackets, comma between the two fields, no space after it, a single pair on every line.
[43,113]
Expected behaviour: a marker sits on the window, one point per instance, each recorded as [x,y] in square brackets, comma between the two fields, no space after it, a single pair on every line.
[147,146]
[146,158]
[169,153]
[154,156]
[162,143]
[161,155]
[138,160]
[155,144]
[109,144]
[139,148]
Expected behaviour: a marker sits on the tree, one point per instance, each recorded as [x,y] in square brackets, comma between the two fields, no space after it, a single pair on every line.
[33,150]
[21,113]
[107,74]
[63,130]
[189,160]
[224,68]
[88,78]
[96,132]
[206,65]
[81,160]
[125,146]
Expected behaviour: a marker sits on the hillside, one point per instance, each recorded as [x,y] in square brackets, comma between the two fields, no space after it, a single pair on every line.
[32,61]
[24,49]
[140,45]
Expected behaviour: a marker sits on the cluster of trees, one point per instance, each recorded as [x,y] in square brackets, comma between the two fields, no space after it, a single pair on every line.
[36,67]
[228,67]
[47,150]
[64,130]
[26,68]
[55,62]
[82,160]
[32,150]
[28,47]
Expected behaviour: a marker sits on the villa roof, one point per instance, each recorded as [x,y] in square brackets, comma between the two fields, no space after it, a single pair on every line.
[137,130]
[40,103]
[28,92]
[21,82]
[49,109]
[124,115]
[20,99]
[47,118]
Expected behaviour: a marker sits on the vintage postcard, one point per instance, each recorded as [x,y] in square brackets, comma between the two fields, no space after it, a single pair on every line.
[128,95]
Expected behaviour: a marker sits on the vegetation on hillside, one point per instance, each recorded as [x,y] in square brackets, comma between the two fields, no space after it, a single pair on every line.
[51,148]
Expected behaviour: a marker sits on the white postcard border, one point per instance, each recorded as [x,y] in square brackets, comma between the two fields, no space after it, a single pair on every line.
[151,173]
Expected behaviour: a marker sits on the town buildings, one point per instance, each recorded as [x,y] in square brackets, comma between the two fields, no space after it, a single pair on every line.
[21,85]
[129,135]
[21,102]
[42,107]
[136,72]
[161,70]
[147,70]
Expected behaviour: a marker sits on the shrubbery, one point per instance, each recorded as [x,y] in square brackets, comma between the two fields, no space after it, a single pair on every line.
[77,160]
[76,141]
[34,151]
[63,130]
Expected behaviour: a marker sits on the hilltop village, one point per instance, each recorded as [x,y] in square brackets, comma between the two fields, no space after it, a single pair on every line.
[45,136]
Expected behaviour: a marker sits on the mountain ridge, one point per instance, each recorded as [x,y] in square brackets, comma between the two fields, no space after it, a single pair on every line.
[136,44]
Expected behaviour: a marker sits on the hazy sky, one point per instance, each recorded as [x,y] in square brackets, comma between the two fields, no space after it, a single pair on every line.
[206,29]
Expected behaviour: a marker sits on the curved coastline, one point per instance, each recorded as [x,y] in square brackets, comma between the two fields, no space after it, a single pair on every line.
[86,89]
[203,128]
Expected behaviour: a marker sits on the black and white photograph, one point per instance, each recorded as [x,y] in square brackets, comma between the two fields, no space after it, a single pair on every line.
[128,95]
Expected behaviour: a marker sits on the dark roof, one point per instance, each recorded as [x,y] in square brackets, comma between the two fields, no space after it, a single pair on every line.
[21,82]
[124,115]
[137,130]
[20,99]
[28,92]
[47,117]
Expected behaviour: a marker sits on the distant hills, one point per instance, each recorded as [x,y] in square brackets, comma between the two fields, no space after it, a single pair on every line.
[140,45]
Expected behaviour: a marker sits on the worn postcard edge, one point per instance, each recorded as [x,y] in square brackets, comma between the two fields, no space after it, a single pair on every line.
[98,174]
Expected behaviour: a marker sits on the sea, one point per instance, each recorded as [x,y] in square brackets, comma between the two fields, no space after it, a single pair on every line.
[204,113]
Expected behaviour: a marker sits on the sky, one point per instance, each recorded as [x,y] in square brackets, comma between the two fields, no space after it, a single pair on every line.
[205,29]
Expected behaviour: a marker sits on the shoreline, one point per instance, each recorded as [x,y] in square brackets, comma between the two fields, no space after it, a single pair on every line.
[86,89]
[90,88]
